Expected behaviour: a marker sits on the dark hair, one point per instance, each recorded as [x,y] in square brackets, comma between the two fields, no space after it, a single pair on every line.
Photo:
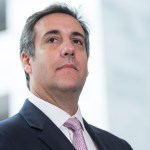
[28,34]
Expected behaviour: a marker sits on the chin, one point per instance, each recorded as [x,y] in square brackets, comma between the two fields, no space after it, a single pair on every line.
[72,84]
[67,88]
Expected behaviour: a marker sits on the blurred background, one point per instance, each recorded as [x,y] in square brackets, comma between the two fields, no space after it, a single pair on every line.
[116,95]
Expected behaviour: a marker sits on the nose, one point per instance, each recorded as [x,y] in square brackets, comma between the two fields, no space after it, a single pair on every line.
[68,50]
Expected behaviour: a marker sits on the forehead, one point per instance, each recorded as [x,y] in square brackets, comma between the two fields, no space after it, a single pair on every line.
[58,21]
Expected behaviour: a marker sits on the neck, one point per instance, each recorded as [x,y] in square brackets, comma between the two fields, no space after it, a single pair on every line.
[65,100]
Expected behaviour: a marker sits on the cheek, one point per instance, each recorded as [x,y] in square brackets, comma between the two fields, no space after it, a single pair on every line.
[49,64]
[84,66]
[39,65]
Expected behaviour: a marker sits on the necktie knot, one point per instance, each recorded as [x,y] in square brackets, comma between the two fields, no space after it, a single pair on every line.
[73,124]
[78,138]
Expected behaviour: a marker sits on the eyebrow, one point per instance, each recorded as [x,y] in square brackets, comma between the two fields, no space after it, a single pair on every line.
[78,34]
[58,32]
[52,32]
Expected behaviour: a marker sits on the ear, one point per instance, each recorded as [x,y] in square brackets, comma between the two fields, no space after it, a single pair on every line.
[26,62]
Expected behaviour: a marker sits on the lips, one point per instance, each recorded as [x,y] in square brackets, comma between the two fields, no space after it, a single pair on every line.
[67,66]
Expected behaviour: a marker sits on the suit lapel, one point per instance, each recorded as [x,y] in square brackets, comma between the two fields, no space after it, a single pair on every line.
[97,139]
[55,139]
[50,134]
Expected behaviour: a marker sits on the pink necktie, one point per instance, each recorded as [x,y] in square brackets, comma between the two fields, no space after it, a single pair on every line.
[78,138]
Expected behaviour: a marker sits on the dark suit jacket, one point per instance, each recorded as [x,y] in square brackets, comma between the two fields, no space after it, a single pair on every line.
[30,129]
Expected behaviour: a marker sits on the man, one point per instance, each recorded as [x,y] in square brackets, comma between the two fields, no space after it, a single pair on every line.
[54,50]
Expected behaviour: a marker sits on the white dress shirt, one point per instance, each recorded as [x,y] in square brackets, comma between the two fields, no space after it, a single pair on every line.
[59,117]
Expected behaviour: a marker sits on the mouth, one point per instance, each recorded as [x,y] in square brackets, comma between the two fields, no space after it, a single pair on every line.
[68,66]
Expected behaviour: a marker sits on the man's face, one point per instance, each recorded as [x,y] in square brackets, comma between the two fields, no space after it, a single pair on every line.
[60,61]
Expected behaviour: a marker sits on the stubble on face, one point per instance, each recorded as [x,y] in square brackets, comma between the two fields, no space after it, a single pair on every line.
[51,68]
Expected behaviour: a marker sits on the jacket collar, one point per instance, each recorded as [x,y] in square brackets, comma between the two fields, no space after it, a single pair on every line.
[50,133]
[97,137]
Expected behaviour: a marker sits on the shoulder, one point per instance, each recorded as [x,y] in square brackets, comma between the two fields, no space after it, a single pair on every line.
[9,129]
[107,139]
[11,126]
[110,139]
[103,133]
[11,122]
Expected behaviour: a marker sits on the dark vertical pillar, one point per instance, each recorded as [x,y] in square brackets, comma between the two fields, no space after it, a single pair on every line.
[2,15]
[4,106]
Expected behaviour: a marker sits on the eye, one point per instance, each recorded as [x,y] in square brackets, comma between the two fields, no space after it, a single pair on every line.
[52,40]
[77,41]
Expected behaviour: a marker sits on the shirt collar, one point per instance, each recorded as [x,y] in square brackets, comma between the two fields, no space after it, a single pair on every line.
[57,115]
